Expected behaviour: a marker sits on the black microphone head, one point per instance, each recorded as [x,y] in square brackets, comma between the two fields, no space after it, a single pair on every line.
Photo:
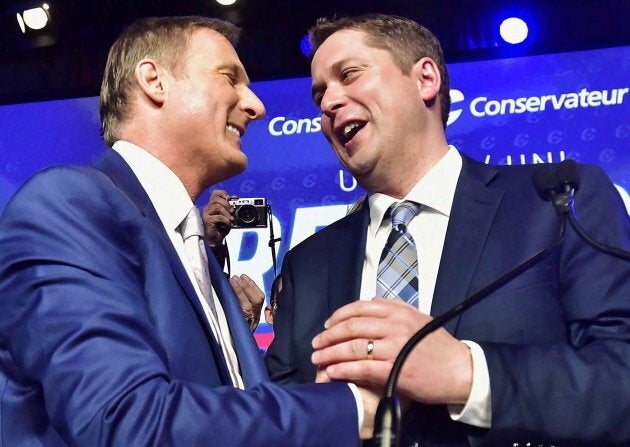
[568,174]
[545,181]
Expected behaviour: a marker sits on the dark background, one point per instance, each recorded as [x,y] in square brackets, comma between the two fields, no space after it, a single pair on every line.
[67,60]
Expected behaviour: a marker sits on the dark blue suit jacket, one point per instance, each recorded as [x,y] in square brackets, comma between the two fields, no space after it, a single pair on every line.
[103,341]
[556,338]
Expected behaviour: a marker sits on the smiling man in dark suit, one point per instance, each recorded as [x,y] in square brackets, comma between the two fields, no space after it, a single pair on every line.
[545,359]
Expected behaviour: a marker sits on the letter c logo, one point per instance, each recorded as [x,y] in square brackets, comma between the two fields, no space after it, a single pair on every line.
[456,96]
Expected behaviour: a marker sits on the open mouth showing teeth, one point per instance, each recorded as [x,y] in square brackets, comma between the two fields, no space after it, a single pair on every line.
[233,129]
[350,130]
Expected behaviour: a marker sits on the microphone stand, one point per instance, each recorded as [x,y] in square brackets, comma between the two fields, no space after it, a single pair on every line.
[559,188]
[568,177]
[272,239]
[387,418]
[613,251]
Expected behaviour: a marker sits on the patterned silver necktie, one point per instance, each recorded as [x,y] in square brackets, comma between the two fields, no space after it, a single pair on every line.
[398,267]
[192,232]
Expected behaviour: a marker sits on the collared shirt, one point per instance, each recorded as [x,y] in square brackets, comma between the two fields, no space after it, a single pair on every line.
[435,191]
[172,204]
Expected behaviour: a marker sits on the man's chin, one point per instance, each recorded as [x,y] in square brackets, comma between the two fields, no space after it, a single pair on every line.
[236,166]
[241,165]
[226,171]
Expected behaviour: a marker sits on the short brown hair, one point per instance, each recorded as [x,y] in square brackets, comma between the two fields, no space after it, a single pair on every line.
[406,40]
[162,38]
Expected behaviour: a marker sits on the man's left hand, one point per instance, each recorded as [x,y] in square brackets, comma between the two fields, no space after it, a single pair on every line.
[250,297]
[361,342]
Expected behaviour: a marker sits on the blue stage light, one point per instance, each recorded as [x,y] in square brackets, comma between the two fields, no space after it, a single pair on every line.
[513,30]
[305,45]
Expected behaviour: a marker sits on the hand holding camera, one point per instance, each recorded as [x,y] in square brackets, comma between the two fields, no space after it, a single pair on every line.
[217,218]
[249,212]
[222,213]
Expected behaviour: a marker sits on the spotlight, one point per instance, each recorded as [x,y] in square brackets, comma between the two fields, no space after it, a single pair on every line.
[34,18]
[513,30]
[226,2]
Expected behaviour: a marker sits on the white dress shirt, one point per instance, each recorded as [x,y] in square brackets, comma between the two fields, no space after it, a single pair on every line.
[172,204]
[435,191]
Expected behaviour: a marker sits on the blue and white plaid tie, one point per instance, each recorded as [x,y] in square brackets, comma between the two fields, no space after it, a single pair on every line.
[398,267]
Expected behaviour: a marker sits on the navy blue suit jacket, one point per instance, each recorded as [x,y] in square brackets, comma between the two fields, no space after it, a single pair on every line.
[556,338]
[103,341]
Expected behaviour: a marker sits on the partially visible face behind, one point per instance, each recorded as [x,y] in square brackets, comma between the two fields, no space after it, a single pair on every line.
[269,314]
[371,111]
[211,106]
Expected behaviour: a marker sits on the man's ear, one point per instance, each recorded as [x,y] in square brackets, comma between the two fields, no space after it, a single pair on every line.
[269,314]
[428,76]
[150,79]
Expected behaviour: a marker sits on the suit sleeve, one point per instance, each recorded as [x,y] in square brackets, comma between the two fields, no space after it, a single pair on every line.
[76,325]
[578,389]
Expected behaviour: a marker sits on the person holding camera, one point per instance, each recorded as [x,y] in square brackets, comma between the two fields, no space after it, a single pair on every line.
[218,220]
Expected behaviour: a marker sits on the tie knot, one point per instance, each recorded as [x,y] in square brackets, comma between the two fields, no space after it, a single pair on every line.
[192,224]
[403,212]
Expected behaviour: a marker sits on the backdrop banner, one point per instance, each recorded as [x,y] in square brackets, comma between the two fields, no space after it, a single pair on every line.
[535,109]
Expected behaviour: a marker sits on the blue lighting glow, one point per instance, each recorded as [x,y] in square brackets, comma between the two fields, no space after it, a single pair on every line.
[305,45]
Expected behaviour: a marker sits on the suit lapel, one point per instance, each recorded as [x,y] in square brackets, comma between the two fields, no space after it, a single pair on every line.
[249,357]
[474,207]
[345,259]
[114,166]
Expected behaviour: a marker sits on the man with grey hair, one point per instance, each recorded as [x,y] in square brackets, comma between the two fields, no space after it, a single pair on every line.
[117,326]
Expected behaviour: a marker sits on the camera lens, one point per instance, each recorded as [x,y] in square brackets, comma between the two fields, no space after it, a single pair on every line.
[247,214]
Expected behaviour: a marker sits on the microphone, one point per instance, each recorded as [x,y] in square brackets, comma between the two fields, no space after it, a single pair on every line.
[568,182]
[387,418]
[558,186]
[568,176]
[545,182]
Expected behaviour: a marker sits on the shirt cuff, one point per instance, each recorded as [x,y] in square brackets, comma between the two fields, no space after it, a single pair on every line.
[478,408]
[359,401]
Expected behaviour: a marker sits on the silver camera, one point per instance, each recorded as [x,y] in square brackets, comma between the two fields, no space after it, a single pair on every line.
[249,212]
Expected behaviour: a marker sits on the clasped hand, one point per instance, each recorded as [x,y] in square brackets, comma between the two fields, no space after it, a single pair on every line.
[437,371]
